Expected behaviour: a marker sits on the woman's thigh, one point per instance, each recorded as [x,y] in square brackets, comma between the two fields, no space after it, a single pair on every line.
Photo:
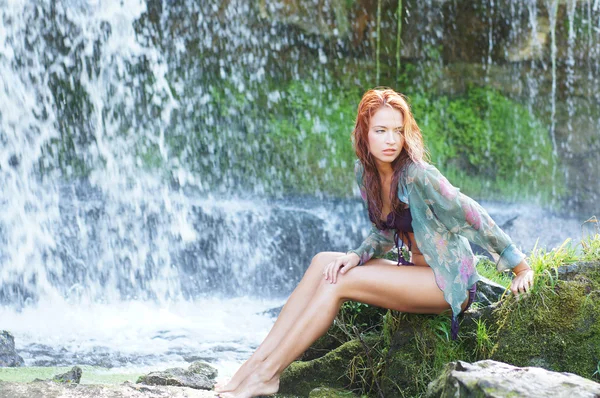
[405,288]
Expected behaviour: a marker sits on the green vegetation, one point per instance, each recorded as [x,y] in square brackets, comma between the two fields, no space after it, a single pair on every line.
[487,145]
[90,375]
[309,138]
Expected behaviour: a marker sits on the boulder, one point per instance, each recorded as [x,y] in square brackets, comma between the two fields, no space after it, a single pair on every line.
[8,355]
[492,379]
[199,375]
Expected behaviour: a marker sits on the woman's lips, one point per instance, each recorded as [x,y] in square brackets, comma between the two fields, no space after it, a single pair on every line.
[389,151]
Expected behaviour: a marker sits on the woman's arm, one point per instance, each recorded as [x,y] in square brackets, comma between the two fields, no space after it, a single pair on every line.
[464,216]
[376,244]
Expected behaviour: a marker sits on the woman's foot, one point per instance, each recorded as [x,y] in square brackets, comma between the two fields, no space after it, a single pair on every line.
[256,384]
[220,385]
[229,385]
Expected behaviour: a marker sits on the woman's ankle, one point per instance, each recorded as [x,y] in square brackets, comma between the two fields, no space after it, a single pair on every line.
[256,359]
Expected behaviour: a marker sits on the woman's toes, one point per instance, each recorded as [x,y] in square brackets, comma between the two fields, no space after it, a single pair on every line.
[220,385]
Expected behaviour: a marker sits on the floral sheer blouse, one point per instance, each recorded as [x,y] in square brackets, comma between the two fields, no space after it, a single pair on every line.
[444,220]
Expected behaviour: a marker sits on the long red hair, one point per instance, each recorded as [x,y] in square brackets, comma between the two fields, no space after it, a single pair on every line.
[413,149]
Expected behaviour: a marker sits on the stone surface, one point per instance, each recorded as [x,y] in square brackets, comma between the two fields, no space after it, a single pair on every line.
[496,379]
[125,390]
[488,291]
[199,375]
[8,355]
[72,376]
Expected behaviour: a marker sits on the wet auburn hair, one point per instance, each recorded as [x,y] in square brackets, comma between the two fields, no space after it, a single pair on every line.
[413,149]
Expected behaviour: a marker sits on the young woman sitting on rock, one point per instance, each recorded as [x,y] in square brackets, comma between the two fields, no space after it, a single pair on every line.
[408,201]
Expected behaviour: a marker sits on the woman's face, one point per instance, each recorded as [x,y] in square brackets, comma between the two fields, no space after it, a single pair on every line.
[386,135]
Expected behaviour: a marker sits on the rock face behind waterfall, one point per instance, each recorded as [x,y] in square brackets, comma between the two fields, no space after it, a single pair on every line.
[8,355]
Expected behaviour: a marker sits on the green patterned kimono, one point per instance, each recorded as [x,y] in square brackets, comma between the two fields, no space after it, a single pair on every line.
[444,220]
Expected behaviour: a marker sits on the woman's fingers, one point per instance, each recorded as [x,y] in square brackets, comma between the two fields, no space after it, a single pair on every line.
[331,270]
[326,270]
[338,265]
[522,284]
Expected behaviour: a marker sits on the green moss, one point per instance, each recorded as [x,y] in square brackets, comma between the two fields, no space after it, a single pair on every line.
[420,348]
[328,371]
[340,368]
[556,328]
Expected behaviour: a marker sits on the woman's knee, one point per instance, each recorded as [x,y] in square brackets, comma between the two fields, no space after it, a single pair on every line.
[321,259]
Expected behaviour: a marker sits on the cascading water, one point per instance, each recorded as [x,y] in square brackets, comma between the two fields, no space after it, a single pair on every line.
[145,167]
[95,240]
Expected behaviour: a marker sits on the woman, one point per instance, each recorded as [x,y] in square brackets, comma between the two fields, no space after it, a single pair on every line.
[405,196]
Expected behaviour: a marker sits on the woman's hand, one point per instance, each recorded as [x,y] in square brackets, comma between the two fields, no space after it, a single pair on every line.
[523,281]
[343,264]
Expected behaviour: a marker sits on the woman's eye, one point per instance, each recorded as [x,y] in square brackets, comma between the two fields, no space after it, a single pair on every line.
[379,131]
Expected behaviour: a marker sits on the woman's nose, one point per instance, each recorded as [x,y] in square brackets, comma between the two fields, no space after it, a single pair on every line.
[390,137]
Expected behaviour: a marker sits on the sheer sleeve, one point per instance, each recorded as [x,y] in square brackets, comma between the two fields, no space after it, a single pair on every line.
[463,215]
[378,242]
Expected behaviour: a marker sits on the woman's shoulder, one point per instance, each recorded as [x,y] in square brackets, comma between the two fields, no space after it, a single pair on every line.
[418,170]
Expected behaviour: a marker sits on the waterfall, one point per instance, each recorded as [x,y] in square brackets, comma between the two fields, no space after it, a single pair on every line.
[189,155]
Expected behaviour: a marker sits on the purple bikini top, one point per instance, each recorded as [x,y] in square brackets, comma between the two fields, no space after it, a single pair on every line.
[401,221]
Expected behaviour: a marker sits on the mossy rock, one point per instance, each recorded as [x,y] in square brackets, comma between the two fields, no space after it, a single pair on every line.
[322,346]
[353,313]
[558,329]
[301,377]
[419,347]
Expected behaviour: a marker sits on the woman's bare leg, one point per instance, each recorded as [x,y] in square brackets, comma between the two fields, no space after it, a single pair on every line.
[289,314]
[406,289]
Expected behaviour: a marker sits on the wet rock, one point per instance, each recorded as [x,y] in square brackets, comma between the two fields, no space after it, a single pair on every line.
[199,375]
[272,312]
[125,390]
[496,379]
[8,355]
[488,291]
[72,376]
[323,19]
